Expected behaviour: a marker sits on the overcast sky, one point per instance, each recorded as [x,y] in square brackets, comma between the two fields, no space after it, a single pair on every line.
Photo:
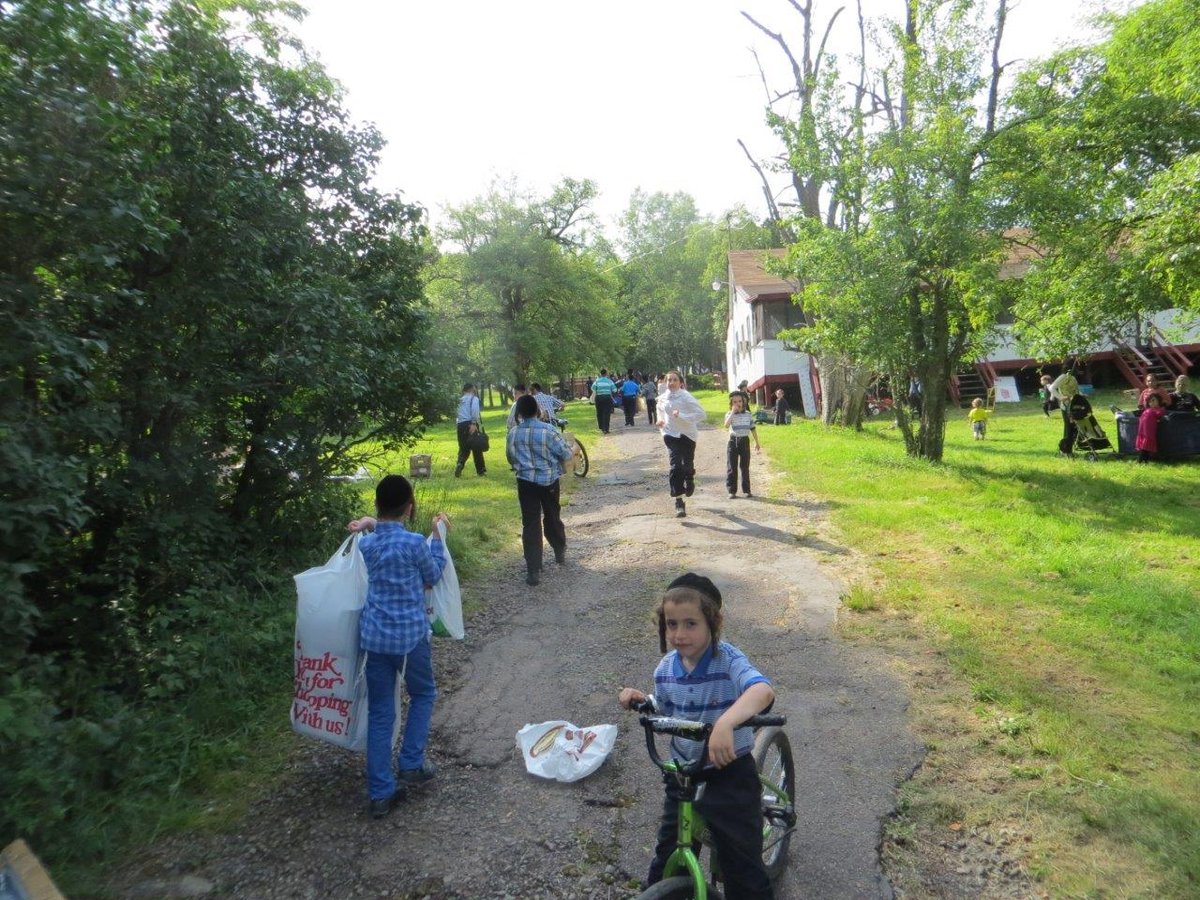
[630,93]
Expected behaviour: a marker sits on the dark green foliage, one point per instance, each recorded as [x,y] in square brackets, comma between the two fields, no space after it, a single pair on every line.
[204,311]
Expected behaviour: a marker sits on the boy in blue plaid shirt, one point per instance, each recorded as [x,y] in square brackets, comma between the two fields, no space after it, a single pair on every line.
[394,631]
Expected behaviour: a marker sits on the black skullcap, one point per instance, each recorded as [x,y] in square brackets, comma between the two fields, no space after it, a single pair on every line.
[697,583]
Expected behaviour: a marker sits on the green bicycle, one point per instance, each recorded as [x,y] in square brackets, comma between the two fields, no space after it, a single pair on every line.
[683,877]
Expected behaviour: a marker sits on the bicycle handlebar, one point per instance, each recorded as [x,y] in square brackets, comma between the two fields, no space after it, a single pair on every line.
[691,730]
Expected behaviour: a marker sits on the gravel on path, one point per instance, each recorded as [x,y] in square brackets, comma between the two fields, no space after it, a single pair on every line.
[561,650]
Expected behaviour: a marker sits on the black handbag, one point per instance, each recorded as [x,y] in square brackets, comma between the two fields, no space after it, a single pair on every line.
[479,440]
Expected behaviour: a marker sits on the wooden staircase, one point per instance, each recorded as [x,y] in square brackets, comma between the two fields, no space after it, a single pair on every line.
[969,383]
[1158,357]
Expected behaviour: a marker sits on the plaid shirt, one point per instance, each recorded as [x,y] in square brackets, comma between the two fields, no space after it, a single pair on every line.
[548,405]
[537,451]
[704,694]
[399,565]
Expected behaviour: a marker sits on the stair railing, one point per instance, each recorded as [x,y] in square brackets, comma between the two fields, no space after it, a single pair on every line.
[1173,359]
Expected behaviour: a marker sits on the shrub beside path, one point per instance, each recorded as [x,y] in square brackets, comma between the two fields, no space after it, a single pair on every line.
[561,650]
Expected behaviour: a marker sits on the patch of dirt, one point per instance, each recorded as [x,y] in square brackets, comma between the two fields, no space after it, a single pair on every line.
[487,829]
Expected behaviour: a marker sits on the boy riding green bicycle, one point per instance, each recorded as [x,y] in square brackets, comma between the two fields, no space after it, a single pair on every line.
[709,681]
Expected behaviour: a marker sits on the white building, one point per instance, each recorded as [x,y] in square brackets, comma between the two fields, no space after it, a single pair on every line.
[760,306]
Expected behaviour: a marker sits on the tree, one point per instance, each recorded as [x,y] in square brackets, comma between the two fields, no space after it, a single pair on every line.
[1104,171]
[204,311]
[538,299]
[822,142]
[909,282]
[666,294]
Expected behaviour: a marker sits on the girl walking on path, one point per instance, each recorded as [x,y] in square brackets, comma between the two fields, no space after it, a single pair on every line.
[740,422]
[679,414]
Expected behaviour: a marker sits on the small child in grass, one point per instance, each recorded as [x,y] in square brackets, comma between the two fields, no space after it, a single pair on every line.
[978,417]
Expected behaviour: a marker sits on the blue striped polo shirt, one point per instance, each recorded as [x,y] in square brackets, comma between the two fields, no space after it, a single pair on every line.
[703,694]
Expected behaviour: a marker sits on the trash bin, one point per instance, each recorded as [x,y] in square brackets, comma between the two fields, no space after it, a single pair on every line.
[420,465]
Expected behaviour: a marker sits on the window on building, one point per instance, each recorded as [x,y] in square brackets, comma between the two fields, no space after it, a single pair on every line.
[777,315]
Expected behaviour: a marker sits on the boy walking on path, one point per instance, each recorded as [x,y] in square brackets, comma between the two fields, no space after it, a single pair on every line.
[394,630]
[469,420]
[538,453]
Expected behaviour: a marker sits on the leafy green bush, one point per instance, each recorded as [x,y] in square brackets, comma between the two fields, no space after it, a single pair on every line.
[206,311]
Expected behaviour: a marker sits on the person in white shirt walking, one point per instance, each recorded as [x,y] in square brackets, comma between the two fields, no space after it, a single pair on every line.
[679,414]
[740,422]
[469,420]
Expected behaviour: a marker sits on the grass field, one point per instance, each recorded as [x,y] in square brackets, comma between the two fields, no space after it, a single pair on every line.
[1063,595]
[484,516]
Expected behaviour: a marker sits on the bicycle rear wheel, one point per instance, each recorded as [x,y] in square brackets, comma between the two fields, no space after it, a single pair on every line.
[777,772]
[581,460]
[678,888]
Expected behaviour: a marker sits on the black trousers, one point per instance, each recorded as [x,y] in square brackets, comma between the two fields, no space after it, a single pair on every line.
[464,432]
[630,406]
[540,514]
[1070,429]
[737,457]
[681,451]
[731,806]
[651,405]
[604,411]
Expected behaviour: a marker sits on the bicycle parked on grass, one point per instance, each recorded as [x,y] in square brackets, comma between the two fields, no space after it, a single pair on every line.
[683,876]
[580,462]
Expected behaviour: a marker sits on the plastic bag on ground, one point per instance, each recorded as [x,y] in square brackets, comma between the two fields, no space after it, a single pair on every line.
[443,602]
[564,752]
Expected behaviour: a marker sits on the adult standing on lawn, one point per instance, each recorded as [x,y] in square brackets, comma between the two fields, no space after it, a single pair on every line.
[1062,389]
[538,455]
[469,420]
[602,395]
[679,414]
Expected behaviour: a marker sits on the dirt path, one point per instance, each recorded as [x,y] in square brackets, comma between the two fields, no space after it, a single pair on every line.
[487,829]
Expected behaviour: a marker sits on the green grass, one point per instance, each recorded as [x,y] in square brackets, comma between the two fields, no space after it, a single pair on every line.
[1064,592]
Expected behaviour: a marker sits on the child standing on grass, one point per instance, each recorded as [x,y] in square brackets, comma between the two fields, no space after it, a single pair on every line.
[1148,421]
[978,417]
[740,422]
[706,679]
[394,631]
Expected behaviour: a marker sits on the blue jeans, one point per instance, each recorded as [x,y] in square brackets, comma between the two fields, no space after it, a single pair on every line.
[382,669]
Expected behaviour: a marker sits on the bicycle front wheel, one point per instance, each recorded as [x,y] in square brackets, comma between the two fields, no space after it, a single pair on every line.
[777,773]
[581,460]
[679,888]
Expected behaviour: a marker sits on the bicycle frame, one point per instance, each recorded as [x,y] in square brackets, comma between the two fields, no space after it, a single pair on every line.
[684,860]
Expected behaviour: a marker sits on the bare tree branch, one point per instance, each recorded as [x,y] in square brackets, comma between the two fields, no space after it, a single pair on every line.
[997,69]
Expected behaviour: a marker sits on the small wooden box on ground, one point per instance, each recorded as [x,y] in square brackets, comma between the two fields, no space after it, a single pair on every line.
[420,465]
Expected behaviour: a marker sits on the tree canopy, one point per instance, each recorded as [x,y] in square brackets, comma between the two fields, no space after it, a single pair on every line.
[1103,170]
[205,310]
[528,291]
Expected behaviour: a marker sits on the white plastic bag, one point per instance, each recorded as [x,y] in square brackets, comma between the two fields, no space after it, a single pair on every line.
[443,602]
[330,699]
[565,752]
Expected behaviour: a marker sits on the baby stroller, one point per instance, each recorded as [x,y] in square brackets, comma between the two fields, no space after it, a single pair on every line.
[1089,436]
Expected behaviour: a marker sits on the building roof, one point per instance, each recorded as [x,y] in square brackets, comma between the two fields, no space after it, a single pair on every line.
[748,275]
[1020,254]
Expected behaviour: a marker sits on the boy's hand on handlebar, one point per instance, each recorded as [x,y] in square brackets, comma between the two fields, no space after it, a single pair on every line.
[720,745]
[630,696]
